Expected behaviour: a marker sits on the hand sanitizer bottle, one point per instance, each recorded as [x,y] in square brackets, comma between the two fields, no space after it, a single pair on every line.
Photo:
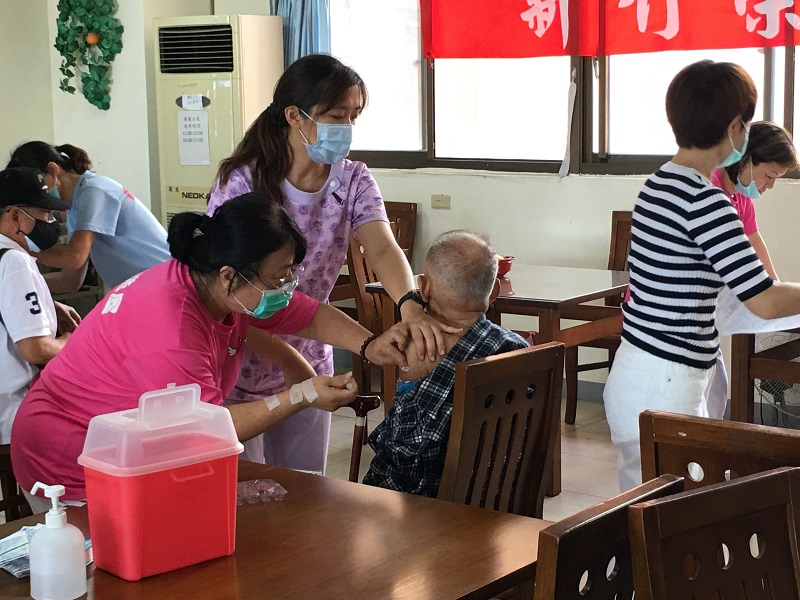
[58,559]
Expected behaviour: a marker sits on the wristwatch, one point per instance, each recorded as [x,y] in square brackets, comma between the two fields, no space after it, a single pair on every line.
[412,295]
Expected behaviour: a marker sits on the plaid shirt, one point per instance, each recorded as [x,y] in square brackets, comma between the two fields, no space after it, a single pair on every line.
[411,443]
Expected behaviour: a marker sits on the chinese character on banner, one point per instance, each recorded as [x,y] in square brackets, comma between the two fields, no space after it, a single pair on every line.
[770,12]
[643,12]
[542,13]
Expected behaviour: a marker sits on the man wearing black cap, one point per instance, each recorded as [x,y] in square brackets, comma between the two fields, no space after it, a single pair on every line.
[28,320]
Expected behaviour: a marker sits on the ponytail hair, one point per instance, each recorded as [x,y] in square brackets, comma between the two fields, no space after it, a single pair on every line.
[316,81]
[37,155]
[241,234]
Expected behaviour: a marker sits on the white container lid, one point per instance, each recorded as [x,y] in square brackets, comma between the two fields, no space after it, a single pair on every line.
[171,428]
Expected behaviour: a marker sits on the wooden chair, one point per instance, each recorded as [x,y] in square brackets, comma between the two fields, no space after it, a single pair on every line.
[588,555]
[706,451]
[13,503]
[403,221]
[617,261]
[733,540]
[503,429]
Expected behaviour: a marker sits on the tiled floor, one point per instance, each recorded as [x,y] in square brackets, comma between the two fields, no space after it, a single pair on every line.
[589,468]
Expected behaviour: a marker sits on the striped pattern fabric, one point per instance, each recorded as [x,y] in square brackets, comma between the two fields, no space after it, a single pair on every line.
[687,242]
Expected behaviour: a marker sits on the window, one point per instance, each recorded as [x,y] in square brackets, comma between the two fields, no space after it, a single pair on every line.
[511,114]
[381,40]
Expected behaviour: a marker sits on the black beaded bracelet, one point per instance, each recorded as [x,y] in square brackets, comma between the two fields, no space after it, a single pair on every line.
[366,343]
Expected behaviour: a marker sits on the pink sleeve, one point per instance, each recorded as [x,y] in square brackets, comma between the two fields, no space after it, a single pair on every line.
[181,366]
[240,182]
[368,203]
[293,318]
[747,213]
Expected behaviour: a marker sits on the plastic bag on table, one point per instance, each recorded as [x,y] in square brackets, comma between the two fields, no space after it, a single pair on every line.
[256,491]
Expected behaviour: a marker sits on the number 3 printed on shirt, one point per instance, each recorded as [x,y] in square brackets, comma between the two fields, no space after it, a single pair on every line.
[33,298]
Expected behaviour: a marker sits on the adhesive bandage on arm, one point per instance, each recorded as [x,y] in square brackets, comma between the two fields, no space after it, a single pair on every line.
[272,402]
[309,391]
[296,394]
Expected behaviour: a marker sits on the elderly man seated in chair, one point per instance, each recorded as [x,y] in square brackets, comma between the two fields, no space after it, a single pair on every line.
[458,285]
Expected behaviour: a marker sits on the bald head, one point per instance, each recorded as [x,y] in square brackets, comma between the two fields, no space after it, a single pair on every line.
[465,264]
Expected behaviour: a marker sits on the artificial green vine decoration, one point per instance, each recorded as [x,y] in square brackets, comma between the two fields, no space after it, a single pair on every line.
[88,39]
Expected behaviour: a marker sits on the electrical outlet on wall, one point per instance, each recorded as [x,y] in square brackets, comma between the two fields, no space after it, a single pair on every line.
[440,201]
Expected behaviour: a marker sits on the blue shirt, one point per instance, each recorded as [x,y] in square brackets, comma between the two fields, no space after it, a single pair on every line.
[128,238]
[411,443]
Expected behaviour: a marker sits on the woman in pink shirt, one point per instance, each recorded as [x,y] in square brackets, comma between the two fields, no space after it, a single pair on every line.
[229,284]
[769,155]
[294,153]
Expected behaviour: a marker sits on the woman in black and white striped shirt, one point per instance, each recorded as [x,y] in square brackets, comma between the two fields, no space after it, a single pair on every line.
[687,242]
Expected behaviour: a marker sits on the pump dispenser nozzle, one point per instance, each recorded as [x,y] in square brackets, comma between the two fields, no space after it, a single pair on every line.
[56,516]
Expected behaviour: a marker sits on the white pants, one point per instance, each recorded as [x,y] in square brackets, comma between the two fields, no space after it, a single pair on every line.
[299,442]
[639,381]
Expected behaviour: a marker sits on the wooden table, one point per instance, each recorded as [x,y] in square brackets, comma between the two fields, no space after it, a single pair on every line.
[337,539]
[552,294]
[774,364]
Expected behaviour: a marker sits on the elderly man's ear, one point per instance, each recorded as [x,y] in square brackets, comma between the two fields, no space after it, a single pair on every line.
[495,291]
[424,287]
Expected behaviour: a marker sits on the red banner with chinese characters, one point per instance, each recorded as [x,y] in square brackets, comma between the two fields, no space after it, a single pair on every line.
[527,28]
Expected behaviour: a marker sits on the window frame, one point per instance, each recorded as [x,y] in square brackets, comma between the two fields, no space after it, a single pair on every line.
[583,159]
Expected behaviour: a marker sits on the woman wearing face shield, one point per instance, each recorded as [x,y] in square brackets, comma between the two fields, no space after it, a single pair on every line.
[28,315]
[295,154]
[105,221]
[230,285]
[687,244]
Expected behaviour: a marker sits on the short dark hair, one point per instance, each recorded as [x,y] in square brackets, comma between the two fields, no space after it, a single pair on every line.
[769,143]
[704,98]
[241,234]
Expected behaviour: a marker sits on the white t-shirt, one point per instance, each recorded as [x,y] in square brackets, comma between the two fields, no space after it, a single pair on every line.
[27,310]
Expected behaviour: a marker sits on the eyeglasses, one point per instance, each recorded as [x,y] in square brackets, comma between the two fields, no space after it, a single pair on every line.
[286,284]
[51,216]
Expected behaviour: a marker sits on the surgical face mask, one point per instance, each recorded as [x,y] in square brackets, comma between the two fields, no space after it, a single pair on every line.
[271,300]
[333,142]
[736,155]
[53,191]
[751,190]
[44,234]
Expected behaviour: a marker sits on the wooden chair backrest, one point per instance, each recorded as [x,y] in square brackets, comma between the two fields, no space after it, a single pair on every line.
[587,556]
[404,217]
[733,540]
[506,411]
[368,306]
[620,247]
[706,451]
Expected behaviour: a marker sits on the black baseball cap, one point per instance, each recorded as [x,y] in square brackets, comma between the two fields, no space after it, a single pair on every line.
[22,186]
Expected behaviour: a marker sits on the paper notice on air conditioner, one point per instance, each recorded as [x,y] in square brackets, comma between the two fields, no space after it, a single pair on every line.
[192,102]
[193,137]
[734,317]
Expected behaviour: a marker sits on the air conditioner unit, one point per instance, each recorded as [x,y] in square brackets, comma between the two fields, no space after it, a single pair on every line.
[214,76]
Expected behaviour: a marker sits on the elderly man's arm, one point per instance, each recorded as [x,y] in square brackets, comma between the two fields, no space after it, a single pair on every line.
[417,369]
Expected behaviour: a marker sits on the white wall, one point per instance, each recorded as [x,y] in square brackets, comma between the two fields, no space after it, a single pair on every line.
[116,140]
[25,96]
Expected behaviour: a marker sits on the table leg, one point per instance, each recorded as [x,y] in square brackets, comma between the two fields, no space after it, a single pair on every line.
[549,328]
[742,396]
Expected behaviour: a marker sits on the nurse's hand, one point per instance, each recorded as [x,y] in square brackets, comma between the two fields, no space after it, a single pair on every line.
[334,392]
[427,332]
[388,348]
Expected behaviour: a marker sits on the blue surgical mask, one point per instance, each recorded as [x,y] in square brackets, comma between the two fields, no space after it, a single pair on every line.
[736,155]
[333,142]
[751,190]
[271,300]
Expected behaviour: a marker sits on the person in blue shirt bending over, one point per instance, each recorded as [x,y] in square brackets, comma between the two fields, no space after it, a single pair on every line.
[459,283]
[105,221]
